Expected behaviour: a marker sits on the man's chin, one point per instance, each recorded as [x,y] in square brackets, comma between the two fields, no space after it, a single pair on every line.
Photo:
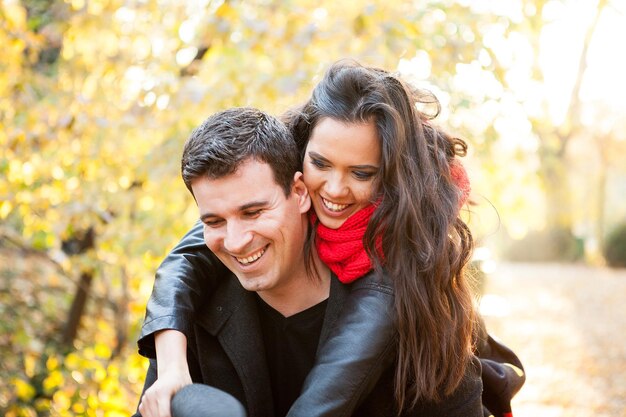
[251,284]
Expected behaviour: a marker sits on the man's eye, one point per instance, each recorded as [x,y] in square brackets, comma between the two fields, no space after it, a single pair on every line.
[213,223]
[253,213]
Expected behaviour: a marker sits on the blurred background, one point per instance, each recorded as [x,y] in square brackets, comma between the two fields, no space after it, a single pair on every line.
[98,96]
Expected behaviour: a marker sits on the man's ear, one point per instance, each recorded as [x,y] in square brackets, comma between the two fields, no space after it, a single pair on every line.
[300,192]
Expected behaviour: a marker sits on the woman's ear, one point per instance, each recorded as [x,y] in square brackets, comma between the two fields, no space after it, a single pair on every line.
[299,191]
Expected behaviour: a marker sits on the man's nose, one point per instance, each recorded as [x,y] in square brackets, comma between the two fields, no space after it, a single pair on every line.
[238,236]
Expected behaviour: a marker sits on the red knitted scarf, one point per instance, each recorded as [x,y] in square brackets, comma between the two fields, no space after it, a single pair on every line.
[342,249]
[460,178]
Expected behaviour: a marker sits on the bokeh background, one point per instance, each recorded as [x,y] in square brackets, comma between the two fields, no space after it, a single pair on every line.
[98,96]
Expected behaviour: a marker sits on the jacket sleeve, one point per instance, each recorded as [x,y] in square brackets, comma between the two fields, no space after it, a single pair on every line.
[359,348]
[502,372]
[183,280]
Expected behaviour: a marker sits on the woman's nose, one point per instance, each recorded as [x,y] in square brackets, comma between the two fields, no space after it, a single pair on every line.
[335,186]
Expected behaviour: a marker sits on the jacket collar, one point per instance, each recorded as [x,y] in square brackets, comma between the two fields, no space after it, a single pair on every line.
[231,316]
[336,301]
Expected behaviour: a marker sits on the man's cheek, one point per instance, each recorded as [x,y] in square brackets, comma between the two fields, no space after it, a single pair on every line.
[211,240]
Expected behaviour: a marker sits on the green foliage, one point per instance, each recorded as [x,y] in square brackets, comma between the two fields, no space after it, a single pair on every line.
[615,247]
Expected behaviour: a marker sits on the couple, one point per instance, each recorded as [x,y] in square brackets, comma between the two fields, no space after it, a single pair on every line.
[339,291]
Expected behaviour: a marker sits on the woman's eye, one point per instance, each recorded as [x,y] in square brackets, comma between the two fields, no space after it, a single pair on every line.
[318,164]
[363,176]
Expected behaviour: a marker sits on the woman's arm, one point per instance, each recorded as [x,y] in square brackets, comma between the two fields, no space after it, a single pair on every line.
[173,372]
[184,279]
[350,362]
[155,406]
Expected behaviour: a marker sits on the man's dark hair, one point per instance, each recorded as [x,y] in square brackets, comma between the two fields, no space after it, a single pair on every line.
[228,138]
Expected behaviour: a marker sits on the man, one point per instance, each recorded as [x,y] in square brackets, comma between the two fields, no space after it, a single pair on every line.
[257,336]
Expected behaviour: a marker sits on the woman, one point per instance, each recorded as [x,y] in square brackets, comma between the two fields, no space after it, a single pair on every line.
[386,189]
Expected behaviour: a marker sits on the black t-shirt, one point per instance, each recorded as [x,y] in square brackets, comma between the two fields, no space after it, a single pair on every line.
[290,346]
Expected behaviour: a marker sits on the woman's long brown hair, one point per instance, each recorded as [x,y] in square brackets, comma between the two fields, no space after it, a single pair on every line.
[425,243]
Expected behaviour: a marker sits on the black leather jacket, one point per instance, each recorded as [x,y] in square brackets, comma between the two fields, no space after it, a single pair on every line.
[359,348]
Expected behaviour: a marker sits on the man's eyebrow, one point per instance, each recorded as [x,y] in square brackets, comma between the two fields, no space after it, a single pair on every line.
[315,155]
[243,207]
[253,204]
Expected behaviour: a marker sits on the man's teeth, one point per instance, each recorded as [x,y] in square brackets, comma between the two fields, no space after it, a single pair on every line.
[251,258]
[334,207]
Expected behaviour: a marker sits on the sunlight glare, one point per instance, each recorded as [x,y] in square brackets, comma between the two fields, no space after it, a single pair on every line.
[561,43]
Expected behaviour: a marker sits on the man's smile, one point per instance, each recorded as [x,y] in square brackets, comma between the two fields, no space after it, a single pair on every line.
[251,258]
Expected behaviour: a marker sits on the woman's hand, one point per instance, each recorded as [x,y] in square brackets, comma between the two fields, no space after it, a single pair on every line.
[173,374]
[156,400]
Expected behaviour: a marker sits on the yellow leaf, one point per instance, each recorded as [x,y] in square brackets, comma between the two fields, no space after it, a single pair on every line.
[52,363]
[29,365]
[78,408]
[61,400]
[5,209]
[54,380]
[72,361]
[100,374]
[102,351]
[23,389]
[42,405]
[114,413]
[92,401]
[225,11]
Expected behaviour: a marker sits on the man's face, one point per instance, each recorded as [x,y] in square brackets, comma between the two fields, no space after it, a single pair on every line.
[251,226]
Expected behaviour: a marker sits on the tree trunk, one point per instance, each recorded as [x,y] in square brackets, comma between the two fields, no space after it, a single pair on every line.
[77,309]
[554,169]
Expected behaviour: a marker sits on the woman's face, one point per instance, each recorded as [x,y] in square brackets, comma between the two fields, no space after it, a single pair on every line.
[341,162]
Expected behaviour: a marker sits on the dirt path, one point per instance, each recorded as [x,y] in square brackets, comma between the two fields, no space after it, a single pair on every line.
[568,325]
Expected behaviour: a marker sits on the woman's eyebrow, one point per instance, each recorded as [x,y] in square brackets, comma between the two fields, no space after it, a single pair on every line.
[366,167]
[316,155]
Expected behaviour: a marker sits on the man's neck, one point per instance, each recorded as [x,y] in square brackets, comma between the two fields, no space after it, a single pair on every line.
[301,293]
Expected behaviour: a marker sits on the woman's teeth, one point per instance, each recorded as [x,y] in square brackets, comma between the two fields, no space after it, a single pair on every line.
[334,207]
[251,258]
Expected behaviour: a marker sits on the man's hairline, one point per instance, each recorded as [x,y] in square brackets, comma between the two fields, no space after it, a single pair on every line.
[251,158]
